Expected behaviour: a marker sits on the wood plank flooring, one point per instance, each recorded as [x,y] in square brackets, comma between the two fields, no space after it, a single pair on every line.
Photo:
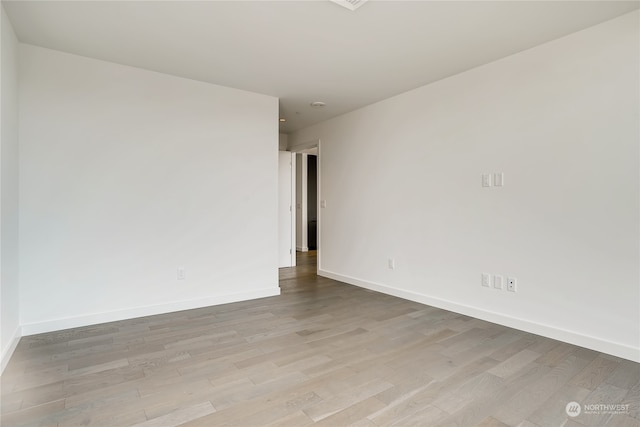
[322,353]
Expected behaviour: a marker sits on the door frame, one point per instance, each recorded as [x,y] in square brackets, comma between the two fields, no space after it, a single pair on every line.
[300,149]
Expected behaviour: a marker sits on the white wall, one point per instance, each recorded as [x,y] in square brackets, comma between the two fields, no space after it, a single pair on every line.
[286,213]
[127,175]
[9,285]
[283,143]
[402,179]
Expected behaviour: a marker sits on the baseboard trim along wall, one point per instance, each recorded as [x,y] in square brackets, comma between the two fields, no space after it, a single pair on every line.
[8,352]
[593,343]
[113,316]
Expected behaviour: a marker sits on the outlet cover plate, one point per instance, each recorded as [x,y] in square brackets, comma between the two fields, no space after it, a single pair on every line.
[485,280]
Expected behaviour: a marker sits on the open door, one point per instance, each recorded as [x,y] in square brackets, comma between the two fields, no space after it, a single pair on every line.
[286,213]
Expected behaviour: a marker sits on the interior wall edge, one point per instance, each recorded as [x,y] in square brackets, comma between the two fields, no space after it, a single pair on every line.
[594,343]
[8,352]
[132,313]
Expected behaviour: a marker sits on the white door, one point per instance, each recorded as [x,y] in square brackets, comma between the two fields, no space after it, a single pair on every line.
[286,221]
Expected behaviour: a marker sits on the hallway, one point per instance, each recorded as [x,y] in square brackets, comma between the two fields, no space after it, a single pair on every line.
[303,277]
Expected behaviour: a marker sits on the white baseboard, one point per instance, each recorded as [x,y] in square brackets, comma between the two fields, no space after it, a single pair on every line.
[301,249]
[613,348]
[8,352]
[112,316]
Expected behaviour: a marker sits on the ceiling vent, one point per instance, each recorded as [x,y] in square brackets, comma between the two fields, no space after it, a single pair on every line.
[350,4]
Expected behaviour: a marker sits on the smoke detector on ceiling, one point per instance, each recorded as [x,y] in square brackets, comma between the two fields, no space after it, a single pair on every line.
[350,4]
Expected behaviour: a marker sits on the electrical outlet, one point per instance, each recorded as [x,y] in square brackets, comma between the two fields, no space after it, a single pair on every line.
[486,279]
[486,180]
[512,284]
[182,273]
[497,281]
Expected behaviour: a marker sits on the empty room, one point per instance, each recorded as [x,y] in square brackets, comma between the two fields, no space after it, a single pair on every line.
[331,212]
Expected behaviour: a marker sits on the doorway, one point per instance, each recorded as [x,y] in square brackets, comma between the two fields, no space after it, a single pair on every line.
[312,202]
[307,214]
[306,180]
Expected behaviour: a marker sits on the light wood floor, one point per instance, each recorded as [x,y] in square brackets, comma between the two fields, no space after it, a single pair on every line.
[323,352]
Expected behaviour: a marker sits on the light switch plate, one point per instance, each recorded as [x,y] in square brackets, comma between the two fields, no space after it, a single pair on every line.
[498,179]
[497,281]
[486,180]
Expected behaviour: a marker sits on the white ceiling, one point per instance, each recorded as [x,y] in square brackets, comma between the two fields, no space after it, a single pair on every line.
[304,51]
